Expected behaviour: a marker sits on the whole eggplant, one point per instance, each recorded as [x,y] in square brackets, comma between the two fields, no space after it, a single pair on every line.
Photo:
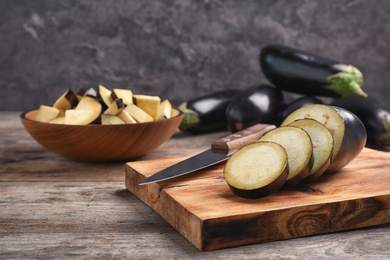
[305,73]
[374,116]
[258,104]
[298,103]
[206,114]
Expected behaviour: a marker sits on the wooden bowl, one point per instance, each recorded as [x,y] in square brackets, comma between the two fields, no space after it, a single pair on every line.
[101,143]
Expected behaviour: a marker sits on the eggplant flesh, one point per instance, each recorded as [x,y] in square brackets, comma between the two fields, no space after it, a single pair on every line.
[298,103]
[258,104]
[305,73]
[374,116]
[207,113]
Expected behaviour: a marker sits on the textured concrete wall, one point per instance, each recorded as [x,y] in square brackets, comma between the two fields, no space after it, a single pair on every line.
[177,49]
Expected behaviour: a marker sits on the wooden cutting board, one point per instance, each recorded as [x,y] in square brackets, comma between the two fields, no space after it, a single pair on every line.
[202,208]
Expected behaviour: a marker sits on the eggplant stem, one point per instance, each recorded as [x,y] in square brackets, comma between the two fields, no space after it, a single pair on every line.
[347,83]
[190,117]
[384,138]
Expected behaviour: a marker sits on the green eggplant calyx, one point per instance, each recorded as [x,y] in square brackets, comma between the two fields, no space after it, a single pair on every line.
[347,83]
[384,138]
[190,118]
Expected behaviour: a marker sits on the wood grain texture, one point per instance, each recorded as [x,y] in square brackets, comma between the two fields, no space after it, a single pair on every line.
[54,208]
[202,208]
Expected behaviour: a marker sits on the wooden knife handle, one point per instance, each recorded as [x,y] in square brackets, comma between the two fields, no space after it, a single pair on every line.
[240,139]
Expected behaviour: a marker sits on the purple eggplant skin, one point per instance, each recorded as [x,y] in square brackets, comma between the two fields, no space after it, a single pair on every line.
[374,116]
[206,114]
[298,103]
[258,104]
[354,140]
[305,73]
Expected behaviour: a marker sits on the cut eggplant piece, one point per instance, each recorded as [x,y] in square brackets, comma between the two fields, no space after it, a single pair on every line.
[126,117]
[89,103]
[111,120]
[81,92]
[46,114]
[322,141]
[165,109]
[138,114]
[349,134]
[105,95]
[58,120]
[79,117]
[67,100]
[256,170]
[115,107]
[90,111]
[299,148]
[125,94]
[149,104]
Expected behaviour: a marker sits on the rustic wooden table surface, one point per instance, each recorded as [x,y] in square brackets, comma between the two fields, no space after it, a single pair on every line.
[51,207]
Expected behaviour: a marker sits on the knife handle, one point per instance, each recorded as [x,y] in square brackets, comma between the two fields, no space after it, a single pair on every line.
[240,139]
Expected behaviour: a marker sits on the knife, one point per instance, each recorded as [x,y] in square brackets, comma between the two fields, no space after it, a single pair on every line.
[221,150]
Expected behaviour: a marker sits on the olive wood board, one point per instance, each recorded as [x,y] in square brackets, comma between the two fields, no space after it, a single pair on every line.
[201,207]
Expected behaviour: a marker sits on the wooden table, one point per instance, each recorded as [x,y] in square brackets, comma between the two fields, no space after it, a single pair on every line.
[51,207]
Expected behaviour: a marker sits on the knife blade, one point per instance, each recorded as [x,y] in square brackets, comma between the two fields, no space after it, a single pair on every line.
[220,151]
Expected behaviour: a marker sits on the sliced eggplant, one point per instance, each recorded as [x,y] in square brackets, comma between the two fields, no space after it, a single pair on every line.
[165,109]
[87,111]
[58,120]
[105,96]
[259,104]
[149,104]
[126,117]
[256,170]
[373,115]
[46,113]
[322,141]
[67,100]
[207,113]
[298,103]
[349,133]
[299,148]
[305,73]
[138,114]
[125,94]
[115,107]
[79,117]
[107,119]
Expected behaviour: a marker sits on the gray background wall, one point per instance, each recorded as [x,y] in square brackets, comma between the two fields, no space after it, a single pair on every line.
[177,49]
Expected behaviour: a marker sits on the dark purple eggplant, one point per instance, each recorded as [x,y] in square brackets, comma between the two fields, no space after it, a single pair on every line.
[374,116]
[259,104]
[305,73]
[298,103]
[355,138]
[207,113]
